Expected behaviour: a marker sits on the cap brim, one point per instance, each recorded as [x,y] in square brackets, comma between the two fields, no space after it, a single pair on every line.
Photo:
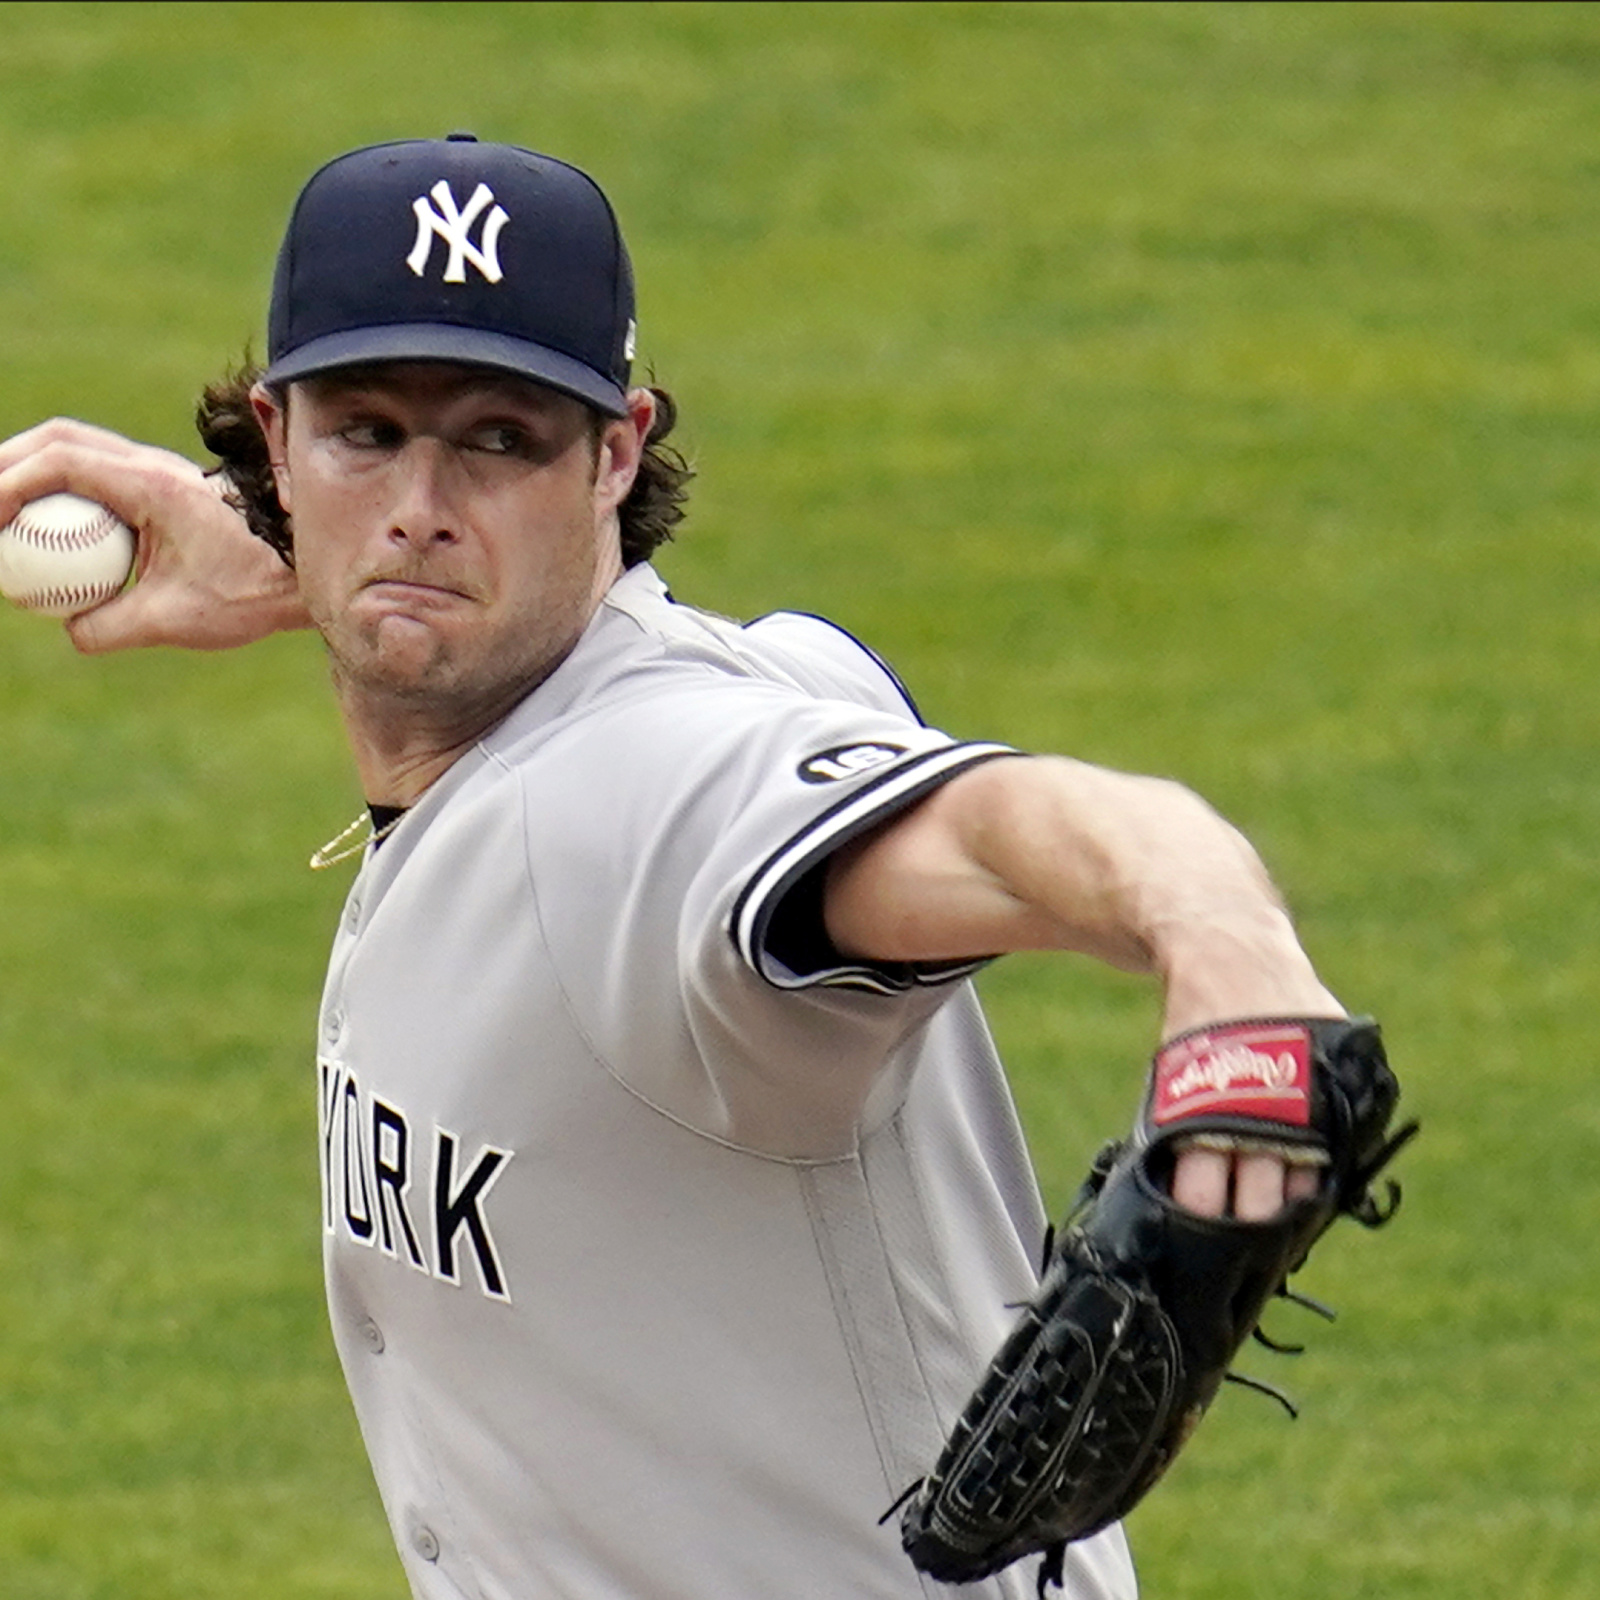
[438,341]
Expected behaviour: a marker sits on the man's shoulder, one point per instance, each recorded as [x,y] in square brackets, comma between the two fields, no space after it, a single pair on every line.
[657,691]
[801,652]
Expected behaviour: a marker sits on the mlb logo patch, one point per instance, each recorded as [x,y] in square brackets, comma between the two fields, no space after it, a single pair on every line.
[847,761]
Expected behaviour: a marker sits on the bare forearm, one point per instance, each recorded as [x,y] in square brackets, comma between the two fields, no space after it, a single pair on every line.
[1143,865]
[1050,853]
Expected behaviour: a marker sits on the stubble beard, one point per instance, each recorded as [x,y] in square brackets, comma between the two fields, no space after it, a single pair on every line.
[428,682]
[399,671]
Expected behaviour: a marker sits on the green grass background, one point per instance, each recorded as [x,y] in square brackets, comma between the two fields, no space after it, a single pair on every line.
[1206,389]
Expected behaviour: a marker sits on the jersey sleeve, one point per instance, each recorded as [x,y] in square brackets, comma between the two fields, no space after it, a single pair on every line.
[776,921]
[690,969]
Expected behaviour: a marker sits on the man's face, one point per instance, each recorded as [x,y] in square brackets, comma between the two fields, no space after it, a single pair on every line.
[454,528]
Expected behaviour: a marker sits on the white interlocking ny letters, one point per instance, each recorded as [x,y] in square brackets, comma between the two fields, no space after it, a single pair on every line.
[454,226]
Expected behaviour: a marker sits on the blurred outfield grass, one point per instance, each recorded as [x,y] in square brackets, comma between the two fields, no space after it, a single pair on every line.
[1206,389]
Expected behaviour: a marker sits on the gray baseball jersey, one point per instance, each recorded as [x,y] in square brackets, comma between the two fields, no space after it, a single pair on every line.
[663,1245]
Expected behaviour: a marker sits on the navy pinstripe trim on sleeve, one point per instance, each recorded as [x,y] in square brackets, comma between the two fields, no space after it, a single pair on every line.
[888,791]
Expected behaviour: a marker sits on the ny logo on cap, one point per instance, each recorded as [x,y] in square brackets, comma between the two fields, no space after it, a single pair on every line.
[455,228]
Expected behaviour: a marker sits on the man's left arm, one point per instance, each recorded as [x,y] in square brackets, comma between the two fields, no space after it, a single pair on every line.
[1043,852]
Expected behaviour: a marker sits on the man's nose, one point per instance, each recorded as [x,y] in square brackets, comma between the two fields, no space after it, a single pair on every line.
[421,512]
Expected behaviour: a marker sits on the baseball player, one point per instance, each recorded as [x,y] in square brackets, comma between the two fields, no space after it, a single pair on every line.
[672,1195]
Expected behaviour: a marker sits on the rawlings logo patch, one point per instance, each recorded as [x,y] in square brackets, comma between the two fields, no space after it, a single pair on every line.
[1245,1069]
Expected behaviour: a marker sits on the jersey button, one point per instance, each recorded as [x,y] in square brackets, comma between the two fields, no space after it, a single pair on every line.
[333,1028]
[371,1335]
[424,1541]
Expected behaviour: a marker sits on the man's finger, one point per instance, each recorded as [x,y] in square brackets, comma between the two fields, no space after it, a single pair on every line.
[134,481]
[1200,1181]
[1300,1183]
[61,431]
[1258,1186]
[125,621]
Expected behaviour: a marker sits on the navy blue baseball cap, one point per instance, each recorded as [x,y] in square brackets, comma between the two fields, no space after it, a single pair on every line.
[456,250]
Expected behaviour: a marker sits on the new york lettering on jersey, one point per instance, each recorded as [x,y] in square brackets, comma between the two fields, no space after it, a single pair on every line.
[370,1165]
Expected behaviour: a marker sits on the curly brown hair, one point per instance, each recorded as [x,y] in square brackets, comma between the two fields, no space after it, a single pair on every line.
[229,430]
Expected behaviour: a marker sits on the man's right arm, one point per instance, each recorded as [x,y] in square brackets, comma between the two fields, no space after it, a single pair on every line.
[203,581]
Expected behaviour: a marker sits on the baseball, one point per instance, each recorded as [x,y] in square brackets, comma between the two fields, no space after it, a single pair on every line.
[64,554]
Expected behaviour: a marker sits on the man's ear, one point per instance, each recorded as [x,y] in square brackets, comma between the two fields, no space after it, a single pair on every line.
[273,420]
[622,448]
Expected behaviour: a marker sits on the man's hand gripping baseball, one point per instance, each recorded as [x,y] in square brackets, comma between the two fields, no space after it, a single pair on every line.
[202,581]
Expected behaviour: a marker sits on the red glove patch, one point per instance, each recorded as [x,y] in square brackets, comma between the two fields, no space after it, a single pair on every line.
[1260,1070]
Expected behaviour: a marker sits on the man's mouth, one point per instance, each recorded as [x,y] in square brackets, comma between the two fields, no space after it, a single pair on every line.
[413,587]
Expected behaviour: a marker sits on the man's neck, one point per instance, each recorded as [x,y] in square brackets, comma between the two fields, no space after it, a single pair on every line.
[403,741]
[400,750]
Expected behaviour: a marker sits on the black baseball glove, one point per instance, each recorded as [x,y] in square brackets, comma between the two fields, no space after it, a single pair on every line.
[1143,1303]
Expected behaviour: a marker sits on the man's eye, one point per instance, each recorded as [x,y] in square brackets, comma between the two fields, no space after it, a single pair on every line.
[367,434]
[500,439]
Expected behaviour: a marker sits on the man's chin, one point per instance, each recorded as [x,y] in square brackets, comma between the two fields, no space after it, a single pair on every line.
[397,656]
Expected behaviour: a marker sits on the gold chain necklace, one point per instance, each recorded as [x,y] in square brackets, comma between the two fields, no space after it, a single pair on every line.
[350,841]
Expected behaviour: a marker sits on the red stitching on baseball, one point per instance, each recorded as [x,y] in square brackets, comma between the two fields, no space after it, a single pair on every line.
[82,597]
[80,536]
